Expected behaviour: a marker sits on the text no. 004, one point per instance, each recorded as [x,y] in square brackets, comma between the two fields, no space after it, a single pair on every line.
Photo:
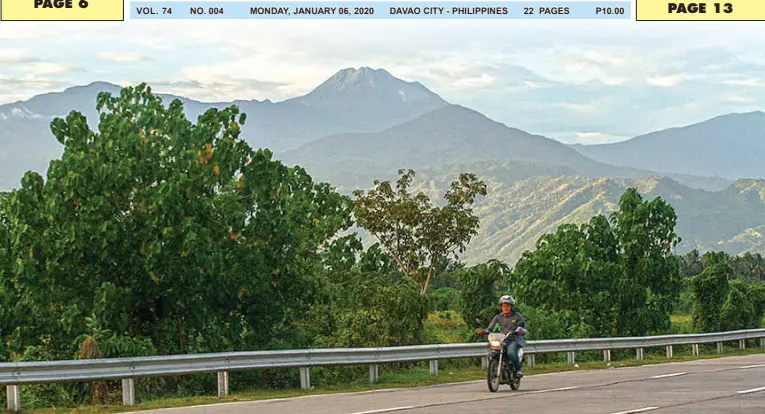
[59,4]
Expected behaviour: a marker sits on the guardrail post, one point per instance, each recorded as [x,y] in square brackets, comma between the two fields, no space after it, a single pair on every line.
[669,351]
[639,355]
[762,342]
[222,383]
[571,358]
[128,391]
[484,362]
[14,398]
[695,349]
[374,373]
[434,367]
[607,355]
[742,343]
[532,360]
[305,378]
[719,348]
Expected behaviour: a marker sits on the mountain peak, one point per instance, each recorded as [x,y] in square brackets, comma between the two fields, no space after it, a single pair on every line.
[93,86]
[367,86]
[362,74]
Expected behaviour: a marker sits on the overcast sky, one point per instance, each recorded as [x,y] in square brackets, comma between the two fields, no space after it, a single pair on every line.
[577,81]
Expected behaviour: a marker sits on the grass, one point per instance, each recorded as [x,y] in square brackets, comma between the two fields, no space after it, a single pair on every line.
[445,327]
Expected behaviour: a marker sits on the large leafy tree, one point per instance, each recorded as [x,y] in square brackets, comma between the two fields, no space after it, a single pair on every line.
[162,230]
[616,273]
[651,281]
[417,235]
[575,269]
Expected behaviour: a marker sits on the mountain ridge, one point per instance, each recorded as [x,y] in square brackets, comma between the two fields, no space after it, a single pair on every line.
[535,183]
[278,126]
[728,145]
[516,212]
[449,135]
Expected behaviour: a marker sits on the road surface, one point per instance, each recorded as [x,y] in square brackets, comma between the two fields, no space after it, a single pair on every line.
[725,385]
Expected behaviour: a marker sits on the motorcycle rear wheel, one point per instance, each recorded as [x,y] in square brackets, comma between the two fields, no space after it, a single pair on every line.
[492,379]
[515,384]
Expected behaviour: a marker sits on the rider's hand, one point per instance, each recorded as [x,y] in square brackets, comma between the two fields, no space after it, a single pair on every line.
[481,332]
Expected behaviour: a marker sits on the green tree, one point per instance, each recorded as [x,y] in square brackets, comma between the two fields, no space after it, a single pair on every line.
[366,301]
[691,263]
[738,311]
[710,291]
[159,232]
[646,234]
[418,236]
[616,273]
[445,299]
[750,267]
[480,287]
[6,290]
[574,269]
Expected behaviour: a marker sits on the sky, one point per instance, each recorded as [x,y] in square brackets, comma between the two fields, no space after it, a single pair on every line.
[576,80]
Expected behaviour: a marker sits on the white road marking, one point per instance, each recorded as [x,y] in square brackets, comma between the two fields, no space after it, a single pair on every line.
[670,375]
[752,390]
[639,410]
[753,366]
[553,389]
[385,410]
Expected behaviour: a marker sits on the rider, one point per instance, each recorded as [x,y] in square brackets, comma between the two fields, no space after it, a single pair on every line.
[505,322]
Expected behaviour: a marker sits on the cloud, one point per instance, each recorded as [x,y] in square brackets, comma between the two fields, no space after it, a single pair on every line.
[665,81]
[739,99]
[482,81]
[566,75]
[51,68]
[532,84]
[596,138]
[748,82]
[124,57]
[15,56]
[584,138]
[12,89]
[213,89]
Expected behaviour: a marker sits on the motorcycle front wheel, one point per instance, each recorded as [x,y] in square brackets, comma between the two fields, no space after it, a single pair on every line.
[492,378]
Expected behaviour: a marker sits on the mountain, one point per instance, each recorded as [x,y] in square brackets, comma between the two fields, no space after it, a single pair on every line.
[366,90]
[730,146]
[364,124]
[519,208]
[352,100]
[446,136]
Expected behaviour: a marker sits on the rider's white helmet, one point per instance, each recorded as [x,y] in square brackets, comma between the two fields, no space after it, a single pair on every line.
[506,299]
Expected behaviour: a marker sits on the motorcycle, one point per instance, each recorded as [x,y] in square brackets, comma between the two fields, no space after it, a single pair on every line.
[501,369]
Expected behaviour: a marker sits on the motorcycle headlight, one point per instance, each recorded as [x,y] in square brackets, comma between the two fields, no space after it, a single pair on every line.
[494,344]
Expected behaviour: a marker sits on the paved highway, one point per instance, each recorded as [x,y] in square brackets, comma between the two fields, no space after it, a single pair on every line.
[724,385]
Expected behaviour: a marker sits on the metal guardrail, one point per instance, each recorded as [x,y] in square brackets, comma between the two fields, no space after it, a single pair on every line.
[14,374]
